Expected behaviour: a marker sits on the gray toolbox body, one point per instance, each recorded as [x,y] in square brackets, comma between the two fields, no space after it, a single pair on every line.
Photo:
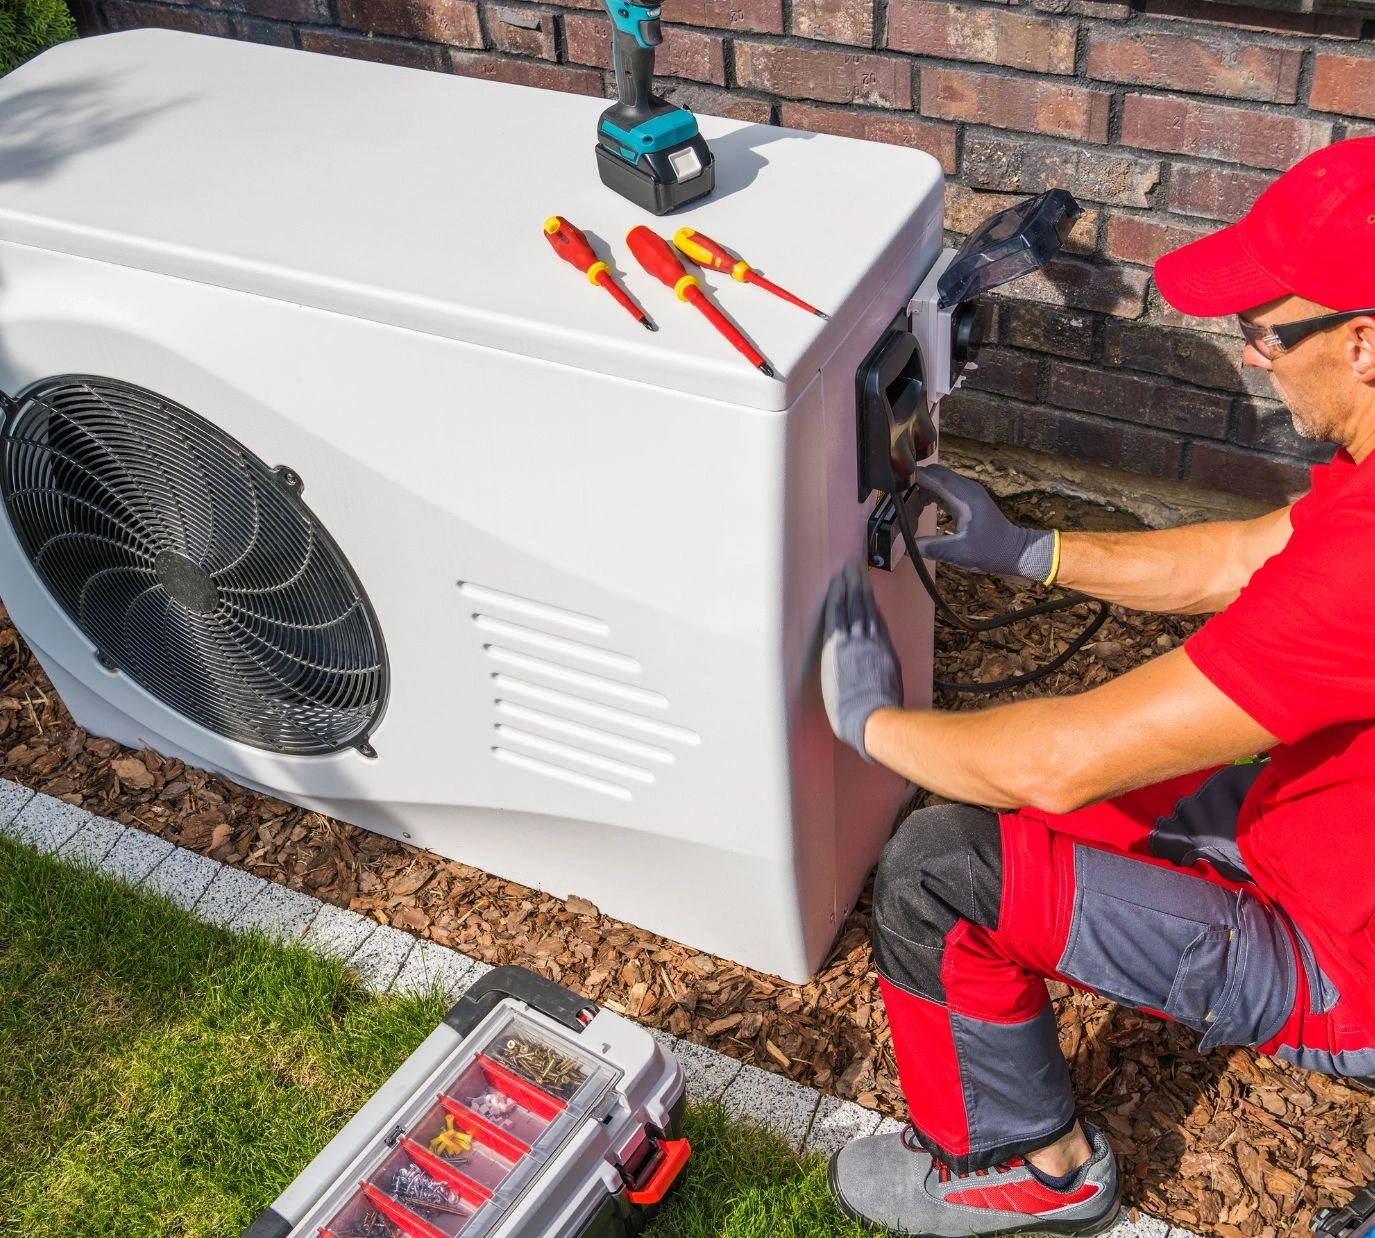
[585,1156]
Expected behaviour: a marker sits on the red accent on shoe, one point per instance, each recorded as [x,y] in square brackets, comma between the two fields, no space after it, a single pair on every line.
[1027,1196]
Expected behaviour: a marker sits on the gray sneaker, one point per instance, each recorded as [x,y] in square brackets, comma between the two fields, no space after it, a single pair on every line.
[891,1182]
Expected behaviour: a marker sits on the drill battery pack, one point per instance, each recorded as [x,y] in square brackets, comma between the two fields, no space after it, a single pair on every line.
[527,1112]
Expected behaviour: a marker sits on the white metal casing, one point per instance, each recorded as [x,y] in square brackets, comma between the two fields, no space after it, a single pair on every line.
[597,555]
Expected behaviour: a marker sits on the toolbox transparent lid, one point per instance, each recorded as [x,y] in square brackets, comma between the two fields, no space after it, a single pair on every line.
[497,1113]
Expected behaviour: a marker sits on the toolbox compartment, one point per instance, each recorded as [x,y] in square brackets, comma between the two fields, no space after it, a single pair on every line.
[508,1120]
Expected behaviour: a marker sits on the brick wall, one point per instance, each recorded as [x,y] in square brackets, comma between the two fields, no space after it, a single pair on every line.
[1165,118]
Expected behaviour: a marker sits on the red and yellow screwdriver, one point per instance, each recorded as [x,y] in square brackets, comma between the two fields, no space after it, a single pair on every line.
[572,246]
[708,253]
[657,257]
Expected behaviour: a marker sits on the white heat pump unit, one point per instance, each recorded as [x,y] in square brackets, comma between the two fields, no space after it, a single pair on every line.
[320,471]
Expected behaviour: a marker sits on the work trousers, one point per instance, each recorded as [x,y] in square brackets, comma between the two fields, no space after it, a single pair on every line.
[1144,899]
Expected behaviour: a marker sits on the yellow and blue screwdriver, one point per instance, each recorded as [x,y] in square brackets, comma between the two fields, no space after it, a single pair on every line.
[708,253]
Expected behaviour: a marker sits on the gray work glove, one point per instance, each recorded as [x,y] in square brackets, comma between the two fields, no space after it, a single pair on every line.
[859,667]
[983,540]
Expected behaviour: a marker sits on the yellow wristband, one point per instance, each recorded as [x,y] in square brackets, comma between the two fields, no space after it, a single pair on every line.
[1054,560]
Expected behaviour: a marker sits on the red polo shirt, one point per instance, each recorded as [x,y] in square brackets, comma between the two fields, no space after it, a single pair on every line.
[1296,651]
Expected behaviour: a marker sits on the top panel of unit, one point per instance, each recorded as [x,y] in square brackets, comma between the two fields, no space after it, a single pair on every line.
[417,199]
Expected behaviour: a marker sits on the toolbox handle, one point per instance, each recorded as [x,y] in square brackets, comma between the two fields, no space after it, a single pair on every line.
[675,1156]
[560,1004]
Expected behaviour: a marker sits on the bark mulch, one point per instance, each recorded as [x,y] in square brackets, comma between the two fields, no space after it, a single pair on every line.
[1226,1142]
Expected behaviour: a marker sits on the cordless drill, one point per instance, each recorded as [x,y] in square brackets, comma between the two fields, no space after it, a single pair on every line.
[648,150]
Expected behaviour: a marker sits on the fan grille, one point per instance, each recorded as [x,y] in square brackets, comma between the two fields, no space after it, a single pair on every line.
[191,566]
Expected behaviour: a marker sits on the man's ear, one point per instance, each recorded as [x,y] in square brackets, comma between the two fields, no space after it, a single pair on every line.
[1360,351]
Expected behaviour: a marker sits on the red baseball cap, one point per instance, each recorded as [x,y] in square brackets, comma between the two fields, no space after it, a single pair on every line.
[1310,234]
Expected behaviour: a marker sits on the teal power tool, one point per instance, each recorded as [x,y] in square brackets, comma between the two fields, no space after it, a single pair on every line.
[648,150]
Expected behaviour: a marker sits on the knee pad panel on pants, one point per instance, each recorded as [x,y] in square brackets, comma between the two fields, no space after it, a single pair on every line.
[945,864]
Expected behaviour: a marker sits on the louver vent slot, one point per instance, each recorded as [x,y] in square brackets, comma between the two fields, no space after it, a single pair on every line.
[193,567]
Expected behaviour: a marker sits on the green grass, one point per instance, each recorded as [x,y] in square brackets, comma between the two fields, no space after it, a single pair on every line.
[29,26]
[159,1076]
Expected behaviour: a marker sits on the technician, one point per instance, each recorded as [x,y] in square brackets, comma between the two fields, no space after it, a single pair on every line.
[1125,841]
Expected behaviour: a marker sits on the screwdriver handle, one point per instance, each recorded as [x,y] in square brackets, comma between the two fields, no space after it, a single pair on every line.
[572,246]
[657,257]
[708,253]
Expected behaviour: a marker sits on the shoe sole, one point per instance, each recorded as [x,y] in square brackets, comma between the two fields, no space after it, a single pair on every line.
[1098,1225]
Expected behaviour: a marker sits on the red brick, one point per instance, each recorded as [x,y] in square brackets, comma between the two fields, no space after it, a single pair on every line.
[966,209]
[935,139]
[1205,66]
[272,33]
[1100,440]
[522,32]
[1015,103]
[1267,426]
[692,54]
[1203,360]
[1270,21]
[527,73]
[128,15]
[437,21]
[981,416]
[1217,193]
[827,77]
[1024,165]
[281,10]
[1148,401]
[86,14]
[1078,284]
[1214,131]
[835,21]
[1161,313]
[683,53]
[711,101]
[759,16]
[1106,10]
[1142,239]
[1006,372]
[1343,84]
[1045,328]
[992,36]
[365,47]
[1234,471]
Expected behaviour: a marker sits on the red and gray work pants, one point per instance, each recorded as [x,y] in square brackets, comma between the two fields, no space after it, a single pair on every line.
[1143,899]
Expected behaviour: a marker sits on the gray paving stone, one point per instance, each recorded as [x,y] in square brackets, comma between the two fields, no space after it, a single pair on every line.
[707,1073]
[92,841]
[281,913]
[431,964]
[772,1101]
[227,895]
[13,797]
[836,1123]
[338,932]
[135,855]
[183,877]
[47,823]
[1145,1227]
[381,957]
[887,1125]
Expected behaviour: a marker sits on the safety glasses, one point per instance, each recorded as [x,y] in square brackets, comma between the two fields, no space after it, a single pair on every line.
[1279,337]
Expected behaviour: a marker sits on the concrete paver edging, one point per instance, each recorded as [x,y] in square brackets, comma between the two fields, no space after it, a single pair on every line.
[389,960]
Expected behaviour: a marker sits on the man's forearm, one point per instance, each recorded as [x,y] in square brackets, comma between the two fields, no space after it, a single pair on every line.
[1191,570]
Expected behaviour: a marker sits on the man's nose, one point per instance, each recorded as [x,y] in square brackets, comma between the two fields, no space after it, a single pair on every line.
[1251,355]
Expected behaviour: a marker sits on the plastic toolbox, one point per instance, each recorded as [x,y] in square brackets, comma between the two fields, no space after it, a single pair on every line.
[528,1111]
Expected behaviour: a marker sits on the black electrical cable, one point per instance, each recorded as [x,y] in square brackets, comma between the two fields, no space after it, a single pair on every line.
[998,621]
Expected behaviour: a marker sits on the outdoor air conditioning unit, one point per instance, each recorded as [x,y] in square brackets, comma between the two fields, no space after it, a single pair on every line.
[321,472]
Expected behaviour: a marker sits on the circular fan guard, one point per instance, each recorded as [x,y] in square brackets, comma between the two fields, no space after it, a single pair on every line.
[192,567]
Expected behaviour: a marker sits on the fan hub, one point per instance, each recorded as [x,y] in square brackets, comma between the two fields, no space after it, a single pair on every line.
[187,582]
